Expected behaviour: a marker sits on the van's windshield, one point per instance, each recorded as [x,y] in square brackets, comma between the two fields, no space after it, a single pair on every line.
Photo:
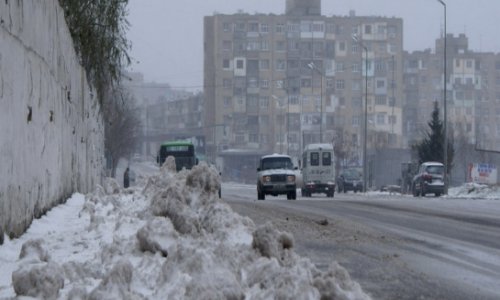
[277,163]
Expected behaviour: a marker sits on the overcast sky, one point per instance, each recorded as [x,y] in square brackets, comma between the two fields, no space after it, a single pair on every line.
[167,35]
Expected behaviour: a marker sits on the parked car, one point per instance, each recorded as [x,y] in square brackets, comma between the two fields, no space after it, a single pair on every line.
[276,176]
[429,179]
[350,180]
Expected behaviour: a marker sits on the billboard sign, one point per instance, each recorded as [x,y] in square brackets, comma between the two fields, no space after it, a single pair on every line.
[483,173]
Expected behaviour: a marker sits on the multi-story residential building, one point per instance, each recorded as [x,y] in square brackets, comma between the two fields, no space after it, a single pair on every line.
[472,98]
[274,83]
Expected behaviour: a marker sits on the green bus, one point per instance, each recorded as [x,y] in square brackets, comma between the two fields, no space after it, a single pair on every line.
[182,151]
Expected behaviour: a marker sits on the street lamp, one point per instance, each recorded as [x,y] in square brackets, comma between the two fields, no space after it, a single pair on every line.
[365,129]
[280,104]
[445,150]
[313,67]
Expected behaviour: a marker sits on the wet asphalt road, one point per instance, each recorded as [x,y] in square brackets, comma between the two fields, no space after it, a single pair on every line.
[396,247]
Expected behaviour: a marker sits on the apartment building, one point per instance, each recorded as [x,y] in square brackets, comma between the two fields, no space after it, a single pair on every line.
[274,83]
[472,99]
[472,92]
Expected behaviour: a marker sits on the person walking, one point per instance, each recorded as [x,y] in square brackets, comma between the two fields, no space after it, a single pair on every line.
[126,179]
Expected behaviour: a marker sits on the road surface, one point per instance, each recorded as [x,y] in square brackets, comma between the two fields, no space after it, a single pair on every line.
[395,246]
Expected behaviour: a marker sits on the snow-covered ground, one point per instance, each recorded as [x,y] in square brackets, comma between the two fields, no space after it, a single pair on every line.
[168,236]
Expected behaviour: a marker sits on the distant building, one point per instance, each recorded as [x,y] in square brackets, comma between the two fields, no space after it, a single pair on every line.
[165,114]
[472,99]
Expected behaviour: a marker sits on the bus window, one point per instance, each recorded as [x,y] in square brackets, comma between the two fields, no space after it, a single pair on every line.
[314,159]
[327,159]
[183,152]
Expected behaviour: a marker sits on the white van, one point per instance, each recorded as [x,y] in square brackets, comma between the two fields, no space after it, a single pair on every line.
[318,170]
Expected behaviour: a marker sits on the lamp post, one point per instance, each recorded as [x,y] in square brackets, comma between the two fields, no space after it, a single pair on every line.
[445,150]
[280,104]
[313,67]
[365,125]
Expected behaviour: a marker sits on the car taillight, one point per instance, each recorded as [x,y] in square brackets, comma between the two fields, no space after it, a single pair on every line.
[427,177]
[310,184]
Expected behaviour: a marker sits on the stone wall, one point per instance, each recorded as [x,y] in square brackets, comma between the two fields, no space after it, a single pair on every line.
[51,129]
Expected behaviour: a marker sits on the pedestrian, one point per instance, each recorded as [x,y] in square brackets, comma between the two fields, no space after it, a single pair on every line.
[126,179]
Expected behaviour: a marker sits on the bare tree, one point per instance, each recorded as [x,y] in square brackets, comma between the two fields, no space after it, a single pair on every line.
[122,126]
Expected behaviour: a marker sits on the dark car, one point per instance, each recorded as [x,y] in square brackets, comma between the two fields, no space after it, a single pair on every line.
[350,180]
[429,179]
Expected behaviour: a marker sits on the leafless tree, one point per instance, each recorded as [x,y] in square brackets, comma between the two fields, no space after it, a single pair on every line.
[122,126]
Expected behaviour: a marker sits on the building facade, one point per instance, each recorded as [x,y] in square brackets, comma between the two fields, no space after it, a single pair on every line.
[275,83]
[472,100]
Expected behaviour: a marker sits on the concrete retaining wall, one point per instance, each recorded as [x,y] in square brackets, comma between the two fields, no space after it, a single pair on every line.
[51,129]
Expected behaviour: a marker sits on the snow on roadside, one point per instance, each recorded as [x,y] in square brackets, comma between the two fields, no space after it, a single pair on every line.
[475,191]
[169,237]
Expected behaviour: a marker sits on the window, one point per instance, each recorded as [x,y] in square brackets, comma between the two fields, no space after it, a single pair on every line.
[240,64]
[280,28]
[253,82]
[355,121]
[264,84]
[280,84]
[340,84]
[280,65]
[264,28]
[354,48]
[264,45]
[392,119]
[253,45]
[227,101]
[379,65]
[326,159]
[380,83]
[264,64]
[381,119]
[368,29]
[264,102]
[253,138]
[226,27]
[226,64]
[356,68]
[469,64]
[314,159]
[339,67]
[330,82]
[380,100]
[240,27]
[253,27]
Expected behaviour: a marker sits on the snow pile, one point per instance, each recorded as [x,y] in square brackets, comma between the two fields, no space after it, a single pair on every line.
[475,190]
[171,238]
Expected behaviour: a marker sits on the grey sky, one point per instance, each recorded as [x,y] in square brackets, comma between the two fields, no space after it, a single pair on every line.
[167,35]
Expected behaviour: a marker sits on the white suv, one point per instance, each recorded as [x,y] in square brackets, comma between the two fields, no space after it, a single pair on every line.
[276,176]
